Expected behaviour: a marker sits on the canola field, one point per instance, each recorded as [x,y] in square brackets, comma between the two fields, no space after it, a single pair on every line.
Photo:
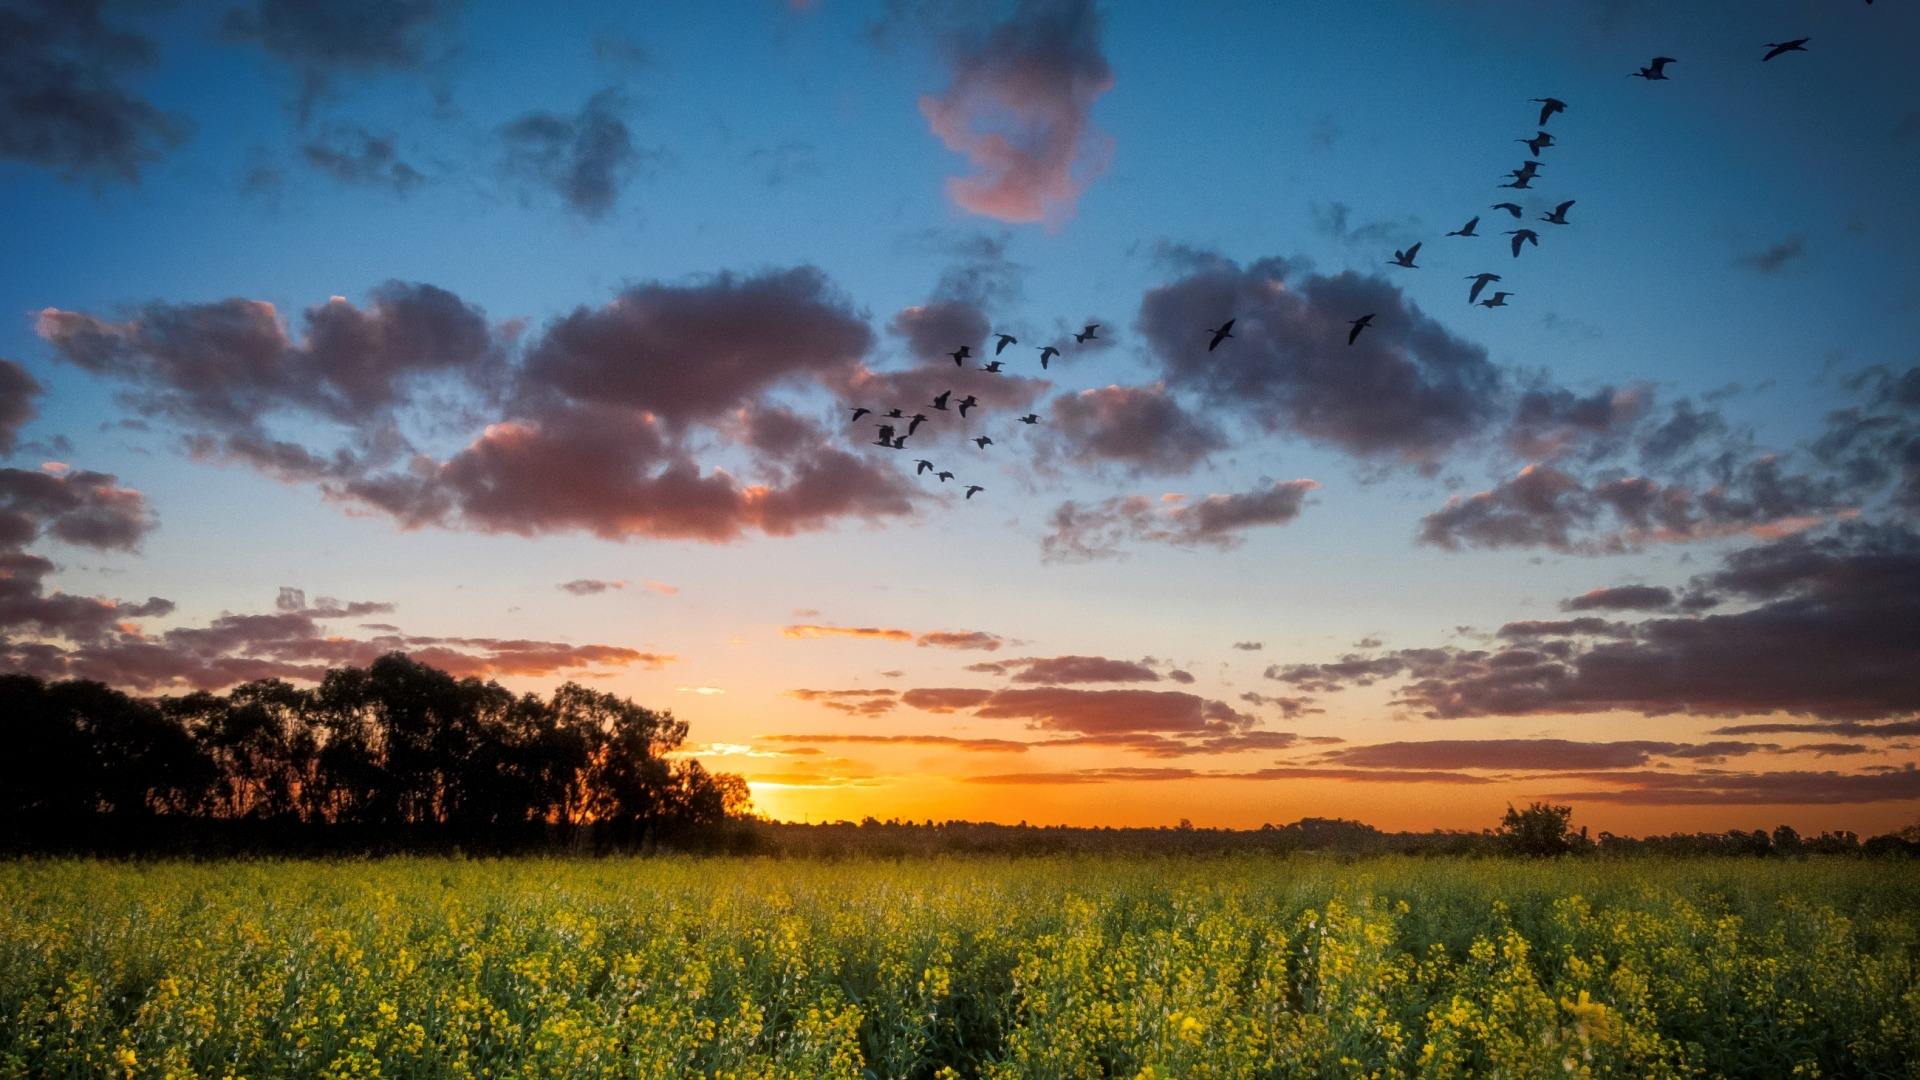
[1060,967]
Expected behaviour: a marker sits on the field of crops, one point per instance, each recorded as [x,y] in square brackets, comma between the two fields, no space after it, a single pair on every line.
[1034,968]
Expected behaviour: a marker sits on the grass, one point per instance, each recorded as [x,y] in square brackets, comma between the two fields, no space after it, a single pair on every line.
[1057,967]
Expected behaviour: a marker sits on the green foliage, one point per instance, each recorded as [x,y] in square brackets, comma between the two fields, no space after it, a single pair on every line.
[1041,967]
[1542,829]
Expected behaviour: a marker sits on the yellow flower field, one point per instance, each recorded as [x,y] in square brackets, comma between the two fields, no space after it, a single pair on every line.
[1063,967]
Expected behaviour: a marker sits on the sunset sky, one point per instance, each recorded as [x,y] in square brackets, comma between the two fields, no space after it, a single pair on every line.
[525,338]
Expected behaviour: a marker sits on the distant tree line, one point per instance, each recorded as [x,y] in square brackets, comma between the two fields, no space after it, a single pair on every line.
[396,755]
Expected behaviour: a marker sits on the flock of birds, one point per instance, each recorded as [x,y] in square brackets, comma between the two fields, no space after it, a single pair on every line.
[890,436]
[1520,179]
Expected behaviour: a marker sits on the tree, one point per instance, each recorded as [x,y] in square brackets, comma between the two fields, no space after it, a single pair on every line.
[1542,829]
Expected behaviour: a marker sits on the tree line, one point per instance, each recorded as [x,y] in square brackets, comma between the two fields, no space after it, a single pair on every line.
[395,755]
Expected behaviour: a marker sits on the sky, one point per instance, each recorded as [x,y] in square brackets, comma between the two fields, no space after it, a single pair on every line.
[527,339]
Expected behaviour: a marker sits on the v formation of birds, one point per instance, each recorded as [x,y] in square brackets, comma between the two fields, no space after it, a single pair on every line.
[1520,179]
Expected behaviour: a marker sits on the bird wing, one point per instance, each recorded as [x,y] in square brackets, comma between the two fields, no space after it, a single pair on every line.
[1561,210]
[1412,251]
[1228,325]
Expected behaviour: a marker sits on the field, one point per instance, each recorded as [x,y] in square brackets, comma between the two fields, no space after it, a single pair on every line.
[1058,967]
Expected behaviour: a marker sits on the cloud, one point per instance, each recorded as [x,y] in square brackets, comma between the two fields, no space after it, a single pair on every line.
[1289,707]
[960,639]
[853,702]
[1108,711]
[585,158]
[1072,669]
[1775,257]
[1532,754]
[1335,220]
[323,41]
[952,742]
[1123,774]
[326,607]
[1142,428]
[1018,106]
[1084,533]
[1249,646]
[589,586]
[1545,506]
[63,106]
[1826,635]
[17,391]
[809,630]
[1407,391]
[78,506]
[357,157]
[944,699]
[1551,422]
[1668,788]
[1622,598]
[1877,441]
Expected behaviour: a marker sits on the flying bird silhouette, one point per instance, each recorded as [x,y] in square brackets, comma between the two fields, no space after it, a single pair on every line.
[943,477]
[974,489]
[1030,418]
[922,466]
[899,443]
[858,412]
[1540,141]
[1358,325]
[941,401]
[1223,332]
[1559,215]
[886,436]
[966,403]
[960,355]
[992,367]
[1520,182]
[1467,229]
[1655,71]
[1087,335]
[1405,258]
[1511,208]
[1047,352]
[1004,341]
[982,442]
[896,414]
[1498,299]
[1523,236]
[915,421]
[1527,169]
[1549,106]
[1775,48]
[1479,282]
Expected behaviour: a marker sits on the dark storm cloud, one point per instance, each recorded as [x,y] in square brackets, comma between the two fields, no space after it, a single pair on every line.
[1018,106]
[358,157]
[1081,533]
[63,106]
[585,158]
[1141,428]
[1407,391]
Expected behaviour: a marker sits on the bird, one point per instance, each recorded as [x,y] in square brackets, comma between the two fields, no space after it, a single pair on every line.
[982,442]
[1655,71]
[896,414]
[966,403]
[1479,282]
[1559,215]
[973,489]
[1405,258]
[1087,335]
[1775,48]
[899,443]
[1523,236]
[886,436]
[1220,334]
[1004,341]
[1467,229]
[1498,299]
[922,466]
[1520,182]
[1511,208]
[1540,141]
[992,367]
[1549,106]
[1047,351]
[943,477]
[941,401]
[858,412]
[1527,169]
[960,355]
[915,421]
[1030,418]
[1358,325]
